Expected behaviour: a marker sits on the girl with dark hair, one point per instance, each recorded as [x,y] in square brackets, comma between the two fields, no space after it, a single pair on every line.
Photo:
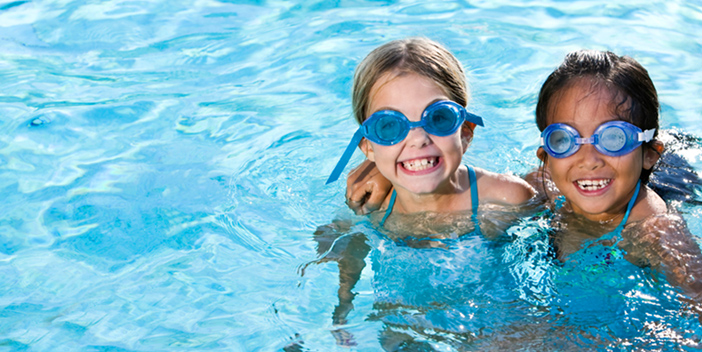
[598,116]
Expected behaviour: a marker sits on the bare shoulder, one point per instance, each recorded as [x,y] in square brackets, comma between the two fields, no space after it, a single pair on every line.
[650,206]
[502,188]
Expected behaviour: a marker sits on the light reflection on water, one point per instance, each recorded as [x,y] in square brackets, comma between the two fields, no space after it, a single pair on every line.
[162,163]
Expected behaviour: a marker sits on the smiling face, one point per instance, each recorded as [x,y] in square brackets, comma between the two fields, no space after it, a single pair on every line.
[595,185]
[422,163]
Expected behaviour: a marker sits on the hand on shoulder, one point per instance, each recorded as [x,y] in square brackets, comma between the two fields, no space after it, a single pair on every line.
[367,189]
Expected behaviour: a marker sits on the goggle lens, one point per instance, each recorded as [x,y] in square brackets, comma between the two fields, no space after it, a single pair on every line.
[613,139]
[443,121]
[387,129]
[560,141]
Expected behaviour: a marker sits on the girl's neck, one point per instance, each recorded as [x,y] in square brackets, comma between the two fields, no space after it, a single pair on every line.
[454,195]
[613,216]
[595,225]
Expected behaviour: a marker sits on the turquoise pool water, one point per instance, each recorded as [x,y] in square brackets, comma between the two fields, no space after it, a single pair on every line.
[162,168]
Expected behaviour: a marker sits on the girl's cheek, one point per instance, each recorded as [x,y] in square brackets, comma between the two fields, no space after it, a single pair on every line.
[547,166]
[552,171]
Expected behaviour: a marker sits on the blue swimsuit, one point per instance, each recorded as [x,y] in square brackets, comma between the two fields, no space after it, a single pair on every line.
[460,288]
[473,199]
[598,274]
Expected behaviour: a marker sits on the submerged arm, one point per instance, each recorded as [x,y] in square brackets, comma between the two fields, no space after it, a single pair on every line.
[671,249]
[335,243]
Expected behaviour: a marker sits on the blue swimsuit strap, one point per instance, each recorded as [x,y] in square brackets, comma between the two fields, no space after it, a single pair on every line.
[473,191]
[620,227]
[389,210]
[473,198]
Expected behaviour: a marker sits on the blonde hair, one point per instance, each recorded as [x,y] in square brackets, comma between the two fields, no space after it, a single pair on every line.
[417,55]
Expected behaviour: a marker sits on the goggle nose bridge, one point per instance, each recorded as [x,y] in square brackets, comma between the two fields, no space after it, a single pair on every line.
[591,140]
[415,124]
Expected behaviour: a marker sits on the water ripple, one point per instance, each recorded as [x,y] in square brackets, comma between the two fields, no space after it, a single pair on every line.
[162,164]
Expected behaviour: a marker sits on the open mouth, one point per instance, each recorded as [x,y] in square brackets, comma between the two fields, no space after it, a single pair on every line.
[420,164]
[593,185]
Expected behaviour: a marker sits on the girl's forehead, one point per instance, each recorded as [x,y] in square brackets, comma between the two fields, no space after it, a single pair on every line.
[586,101]
[401,88]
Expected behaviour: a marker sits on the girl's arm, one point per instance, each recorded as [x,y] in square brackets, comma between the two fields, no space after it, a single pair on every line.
[669,248]
[335,243]
[540,180]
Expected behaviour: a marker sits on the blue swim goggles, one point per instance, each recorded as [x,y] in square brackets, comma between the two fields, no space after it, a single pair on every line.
[389,127]
[614,138]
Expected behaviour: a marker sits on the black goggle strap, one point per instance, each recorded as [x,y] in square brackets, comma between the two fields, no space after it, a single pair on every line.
[357,137]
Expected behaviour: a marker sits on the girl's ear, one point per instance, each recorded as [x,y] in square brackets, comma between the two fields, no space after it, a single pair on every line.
[367,149]
[541,154]
[466,134]
[652,154]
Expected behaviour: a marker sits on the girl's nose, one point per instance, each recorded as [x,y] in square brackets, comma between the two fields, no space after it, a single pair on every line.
[418,138]
[589,157]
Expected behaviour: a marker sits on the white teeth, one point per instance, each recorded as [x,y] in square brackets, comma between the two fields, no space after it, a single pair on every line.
[419,164]
[593,185]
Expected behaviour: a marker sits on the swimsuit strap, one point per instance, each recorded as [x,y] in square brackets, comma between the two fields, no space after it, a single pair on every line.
[620,227]
[608,254]
[473,189]
[389,210]
[474,202]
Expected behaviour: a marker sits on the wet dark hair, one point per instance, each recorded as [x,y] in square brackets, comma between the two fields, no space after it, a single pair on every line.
[623,75]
